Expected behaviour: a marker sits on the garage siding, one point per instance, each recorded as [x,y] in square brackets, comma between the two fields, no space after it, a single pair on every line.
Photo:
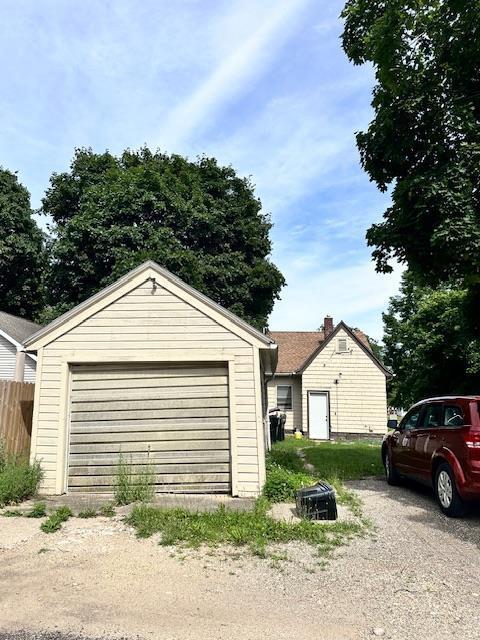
[145,319]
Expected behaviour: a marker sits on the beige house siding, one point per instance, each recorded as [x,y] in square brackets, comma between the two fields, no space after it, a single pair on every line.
[294,417]
[8,358]
[147,325]
[30,370]
[358,403]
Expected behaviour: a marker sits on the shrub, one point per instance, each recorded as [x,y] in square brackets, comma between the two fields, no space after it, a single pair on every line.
[56,519]
[133,484]
[19,479]
[282,485]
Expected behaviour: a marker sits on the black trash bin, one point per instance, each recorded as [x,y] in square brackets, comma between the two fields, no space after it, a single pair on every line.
[317,502]
[274,418]
[281,426]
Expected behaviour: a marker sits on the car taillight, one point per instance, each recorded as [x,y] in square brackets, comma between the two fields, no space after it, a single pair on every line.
[473,441]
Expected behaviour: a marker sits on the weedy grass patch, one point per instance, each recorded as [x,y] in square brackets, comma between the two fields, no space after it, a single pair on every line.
[56,519]
[107,510]
[286,474]
[281,485]
[254,529]
[89,512]
[39,510]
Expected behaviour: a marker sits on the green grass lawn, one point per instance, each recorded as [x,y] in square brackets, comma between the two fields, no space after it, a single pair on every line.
[345,460]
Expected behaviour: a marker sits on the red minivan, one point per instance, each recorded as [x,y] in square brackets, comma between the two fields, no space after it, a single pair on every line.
[438,443]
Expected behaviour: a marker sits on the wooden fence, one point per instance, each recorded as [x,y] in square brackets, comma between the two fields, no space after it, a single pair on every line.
[16,411]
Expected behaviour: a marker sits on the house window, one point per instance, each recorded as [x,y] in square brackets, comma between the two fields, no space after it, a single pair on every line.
[342,345]
[284,397]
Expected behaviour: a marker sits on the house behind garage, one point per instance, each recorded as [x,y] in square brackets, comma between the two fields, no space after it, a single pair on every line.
[329,383]
[14,363]
[154,371]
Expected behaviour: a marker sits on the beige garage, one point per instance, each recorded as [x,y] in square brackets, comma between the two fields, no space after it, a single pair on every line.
[151,372]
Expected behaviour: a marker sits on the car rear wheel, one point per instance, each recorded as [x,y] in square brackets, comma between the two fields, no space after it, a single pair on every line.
[446,491]
[391,473]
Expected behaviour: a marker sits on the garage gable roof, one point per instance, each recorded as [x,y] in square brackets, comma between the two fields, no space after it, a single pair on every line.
[151,271]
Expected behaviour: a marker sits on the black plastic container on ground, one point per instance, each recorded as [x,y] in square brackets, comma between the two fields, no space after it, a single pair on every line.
[317,502]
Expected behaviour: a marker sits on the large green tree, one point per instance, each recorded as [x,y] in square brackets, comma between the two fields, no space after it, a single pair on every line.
[22,254]
[198,219]
[428,343]
[424,140]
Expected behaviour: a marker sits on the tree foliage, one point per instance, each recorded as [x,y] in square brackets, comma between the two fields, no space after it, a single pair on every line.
[424,139]
[197,219]
[22,253]
[428,344]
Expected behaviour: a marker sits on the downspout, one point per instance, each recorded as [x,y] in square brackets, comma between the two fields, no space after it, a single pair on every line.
[19,374]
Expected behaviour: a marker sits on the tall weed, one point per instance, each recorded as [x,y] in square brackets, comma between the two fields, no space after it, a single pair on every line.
[19,479]
[133,483]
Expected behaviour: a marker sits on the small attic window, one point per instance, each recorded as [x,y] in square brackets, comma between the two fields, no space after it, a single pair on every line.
[342,345]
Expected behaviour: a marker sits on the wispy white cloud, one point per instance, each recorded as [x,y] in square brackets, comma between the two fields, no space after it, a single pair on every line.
[239,68]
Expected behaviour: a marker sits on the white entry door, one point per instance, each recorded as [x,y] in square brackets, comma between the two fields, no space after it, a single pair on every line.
[318,427]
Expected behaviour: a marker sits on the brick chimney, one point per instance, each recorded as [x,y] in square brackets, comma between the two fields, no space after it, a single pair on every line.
[327,326]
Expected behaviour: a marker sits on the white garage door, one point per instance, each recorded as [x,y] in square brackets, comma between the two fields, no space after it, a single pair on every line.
[175,418]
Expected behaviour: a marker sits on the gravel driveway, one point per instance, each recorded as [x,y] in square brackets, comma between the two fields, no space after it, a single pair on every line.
[417,576]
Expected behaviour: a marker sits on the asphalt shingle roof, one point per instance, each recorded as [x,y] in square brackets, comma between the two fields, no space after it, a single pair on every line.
[17,328]
[295,347]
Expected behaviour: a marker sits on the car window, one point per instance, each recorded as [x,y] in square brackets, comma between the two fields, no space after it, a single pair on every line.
[453,416]
[411,419]
[433,416]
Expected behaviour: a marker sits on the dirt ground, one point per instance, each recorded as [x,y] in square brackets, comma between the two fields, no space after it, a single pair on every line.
[417,576]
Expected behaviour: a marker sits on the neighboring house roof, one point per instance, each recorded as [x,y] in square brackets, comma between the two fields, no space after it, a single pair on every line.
[296,349]
[16,329]
[150,265]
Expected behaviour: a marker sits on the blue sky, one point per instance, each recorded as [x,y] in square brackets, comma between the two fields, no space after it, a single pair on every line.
[260,84]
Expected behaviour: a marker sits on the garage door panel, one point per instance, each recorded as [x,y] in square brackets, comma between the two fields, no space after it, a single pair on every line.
[149,414]
[160,445]
[172,419]
[162,479]
[151,393]
[174,401]
[126,384]
[146,437]
[179,467]
[154,457]
[132,372]
[126,426]
[203,487]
